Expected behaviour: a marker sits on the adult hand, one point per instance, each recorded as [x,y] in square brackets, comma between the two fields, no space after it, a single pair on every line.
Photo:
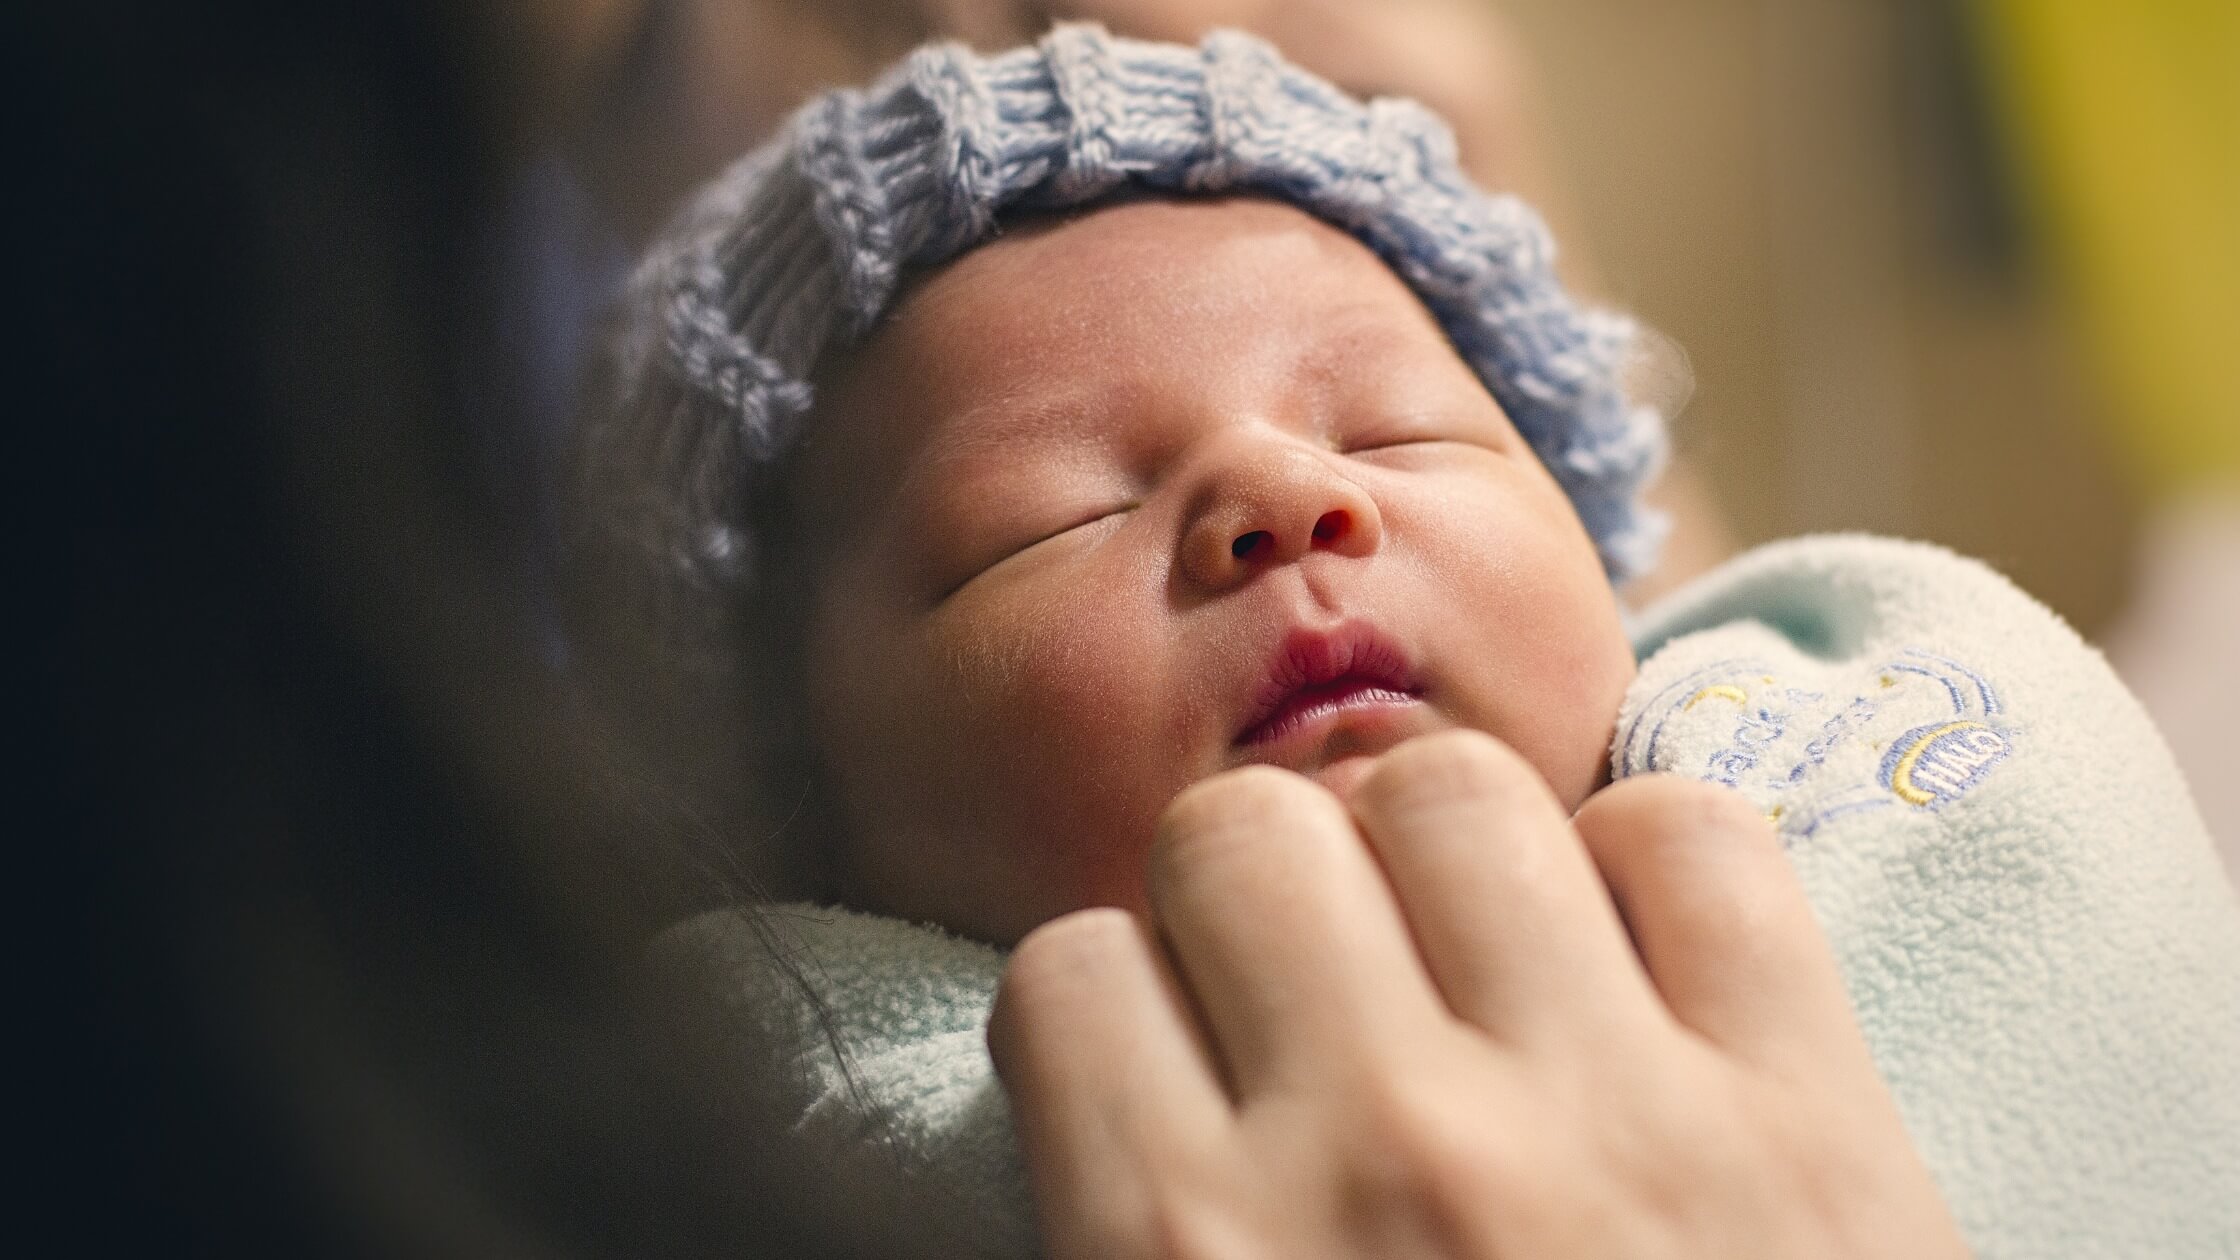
[1441,1019]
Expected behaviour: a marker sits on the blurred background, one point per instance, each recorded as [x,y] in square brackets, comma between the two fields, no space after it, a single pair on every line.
[350,922]
[1959,270]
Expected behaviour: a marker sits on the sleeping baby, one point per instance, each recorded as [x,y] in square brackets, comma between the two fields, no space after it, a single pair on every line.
[1029,437]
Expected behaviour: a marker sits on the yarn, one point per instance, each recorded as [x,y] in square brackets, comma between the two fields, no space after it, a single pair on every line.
[795,250]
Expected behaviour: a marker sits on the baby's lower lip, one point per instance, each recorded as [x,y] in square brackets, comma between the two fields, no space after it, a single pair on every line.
[1314,706]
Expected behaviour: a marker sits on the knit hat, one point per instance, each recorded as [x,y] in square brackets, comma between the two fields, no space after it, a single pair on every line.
[795,251]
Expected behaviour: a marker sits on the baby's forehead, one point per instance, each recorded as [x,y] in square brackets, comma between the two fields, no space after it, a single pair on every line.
[1063,324]
[1144,252]
[1205,283]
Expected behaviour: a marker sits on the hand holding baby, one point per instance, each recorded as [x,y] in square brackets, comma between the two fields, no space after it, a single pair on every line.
[1440,1018]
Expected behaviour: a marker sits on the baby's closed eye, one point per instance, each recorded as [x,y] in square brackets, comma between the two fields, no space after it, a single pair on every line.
[1076,521]
[1420,449]
[1019,539]
[1375,430]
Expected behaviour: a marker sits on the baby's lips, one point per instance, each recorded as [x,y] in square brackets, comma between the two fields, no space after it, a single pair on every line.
[1308,658]
[1310,707]
[1335,738]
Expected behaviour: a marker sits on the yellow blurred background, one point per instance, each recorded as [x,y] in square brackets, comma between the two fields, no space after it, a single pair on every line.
[1967,272]
[2127,122]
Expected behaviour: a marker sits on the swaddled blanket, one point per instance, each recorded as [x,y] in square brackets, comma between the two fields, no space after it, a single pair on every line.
[2042,949]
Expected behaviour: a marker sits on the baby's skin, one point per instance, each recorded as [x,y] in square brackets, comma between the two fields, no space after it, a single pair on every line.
[1118,502]
[1184,610]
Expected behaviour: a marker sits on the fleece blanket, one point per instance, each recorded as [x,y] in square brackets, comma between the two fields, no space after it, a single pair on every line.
[2041,947]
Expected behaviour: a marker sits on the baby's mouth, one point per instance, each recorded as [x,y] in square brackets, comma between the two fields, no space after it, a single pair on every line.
[1309,705]
[1315,675]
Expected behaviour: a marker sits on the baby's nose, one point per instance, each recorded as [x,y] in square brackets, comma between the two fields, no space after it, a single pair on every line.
[1272,505]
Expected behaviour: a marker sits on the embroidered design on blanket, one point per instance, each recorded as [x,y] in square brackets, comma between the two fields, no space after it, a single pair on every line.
[1931,765]
[1917,731]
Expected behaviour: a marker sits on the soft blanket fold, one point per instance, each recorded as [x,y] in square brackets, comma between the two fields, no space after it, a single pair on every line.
[2042,949]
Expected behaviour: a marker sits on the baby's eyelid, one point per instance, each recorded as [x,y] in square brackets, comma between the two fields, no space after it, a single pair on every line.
[1024,547]
[1080,523]
[1410,439]
[1370,446]
[1461,425]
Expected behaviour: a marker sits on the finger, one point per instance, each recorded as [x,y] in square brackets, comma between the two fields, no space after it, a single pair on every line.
[1506,907]
[1719,918]
[1109,1081]
[1282,927]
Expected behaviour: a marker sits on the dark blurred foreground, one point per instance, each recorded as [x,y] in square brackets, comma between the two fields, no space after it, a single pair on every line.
[335,949]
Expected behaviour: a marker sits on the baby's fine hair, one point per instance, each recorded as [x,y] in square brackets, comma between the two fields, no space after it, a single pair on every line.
[792,254]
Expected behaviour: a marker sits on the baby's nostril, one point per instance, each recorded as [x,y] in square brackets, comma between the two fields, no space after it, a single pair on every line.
[1330,526]
[1247,544]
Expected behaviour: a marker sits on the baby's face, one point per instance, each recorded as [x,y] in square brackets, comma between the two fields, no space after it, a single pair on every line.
[1112,504]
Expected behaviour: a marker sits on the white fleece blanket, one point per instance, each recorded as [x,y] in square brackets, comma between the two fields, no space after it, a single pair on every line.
[2043,952]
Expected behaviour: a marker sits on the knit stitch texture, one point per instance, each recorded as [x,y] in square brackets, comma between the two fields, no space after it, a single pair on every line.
[796,250]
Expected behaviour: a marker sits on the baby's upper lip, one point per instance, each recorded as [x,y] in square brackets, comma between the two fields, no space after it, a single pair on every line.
[1309,657]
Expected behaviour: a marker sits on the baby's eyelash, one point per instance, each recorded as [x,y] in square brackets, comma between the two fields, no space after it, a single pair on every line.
[1025,547]
[1083,523]
[1386,444]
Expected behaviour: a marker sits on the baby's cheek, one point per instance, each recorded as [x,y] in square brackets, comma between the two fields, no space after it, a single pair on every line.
[1582,685]
[1071,706]
[1073,701]
[1542,650]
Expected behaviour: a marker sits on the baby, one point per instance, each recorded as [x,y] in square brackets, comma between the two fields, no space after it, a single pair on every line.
[1070,563]
[1034,436]
[1120,499]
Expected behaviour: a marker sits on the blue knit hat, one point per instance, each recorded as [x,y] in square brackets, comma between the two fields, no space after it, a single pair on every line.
[796,250]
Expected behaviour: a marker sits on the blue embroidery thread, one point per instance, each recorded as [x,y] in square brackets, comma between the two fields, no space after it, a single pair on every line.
[1932,766]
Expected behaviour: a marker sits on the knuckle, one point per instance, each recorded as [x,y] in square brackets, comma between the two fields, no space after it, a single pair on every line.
[1181,1223]
[1649,814]
[1825,1156]
[1667,821]
[1160,1209]
[1711,861]
[1246,792]
[1441,767]
[1683,1146]
[1230,812]
[1070,947]
[1064,960]
[1425,1156]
